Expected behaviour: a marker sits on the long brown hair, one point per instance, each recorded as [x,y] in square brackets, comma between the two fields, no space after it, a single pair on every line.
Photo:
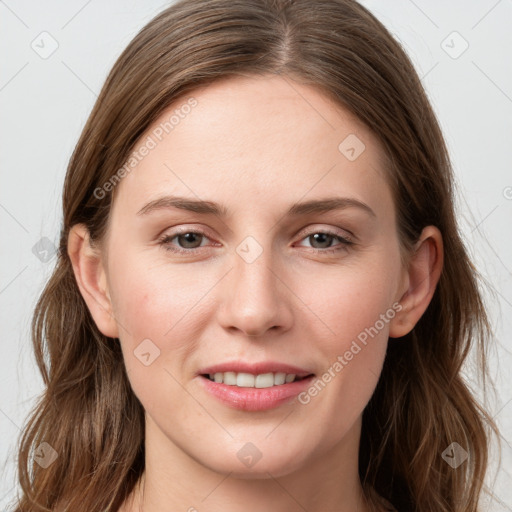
[88,413]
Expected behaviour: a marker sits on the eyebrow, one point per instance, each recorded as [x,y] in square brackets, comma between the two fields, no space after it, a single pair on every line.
[322,205]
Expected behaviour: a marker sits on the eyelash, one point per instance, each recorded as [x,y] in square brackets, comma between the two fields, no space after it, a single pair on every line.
[166,239]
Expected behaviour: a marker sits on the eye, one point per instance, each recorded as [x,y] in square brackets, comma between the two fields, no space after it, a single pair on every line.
[189,240]
[325,238]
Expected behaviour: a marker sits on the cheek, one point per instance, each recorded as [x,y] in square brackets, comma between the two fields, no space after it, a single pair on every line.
[159,312]
[149,300]
[355,307]
[150,313]
[349,300]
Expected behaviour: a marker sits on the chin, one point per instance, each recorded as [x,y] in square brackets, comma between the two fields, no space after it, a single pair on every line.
[275,466]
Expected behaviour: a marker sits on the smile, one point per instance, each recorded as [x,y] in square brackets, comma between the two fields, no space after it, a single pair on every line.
[249,392]
[248,380]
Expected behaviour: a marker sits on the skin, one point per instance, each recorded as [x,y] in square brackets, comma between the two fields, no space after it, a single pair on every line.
[257,146]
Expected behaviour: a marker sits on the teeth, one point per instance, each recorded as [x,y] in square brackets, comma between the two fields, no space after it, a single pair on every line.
[248,380]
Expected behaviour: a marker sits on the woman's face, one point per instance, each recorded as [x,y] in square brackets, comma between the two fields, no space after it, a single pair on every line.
[314,288]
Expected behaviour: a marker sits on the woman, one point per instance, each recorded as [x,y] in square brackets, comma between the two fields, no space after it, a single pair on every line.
[206,350]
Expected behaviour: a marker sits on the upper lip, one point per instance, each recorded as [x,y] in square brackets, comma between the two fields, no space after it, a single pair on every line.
[255,368]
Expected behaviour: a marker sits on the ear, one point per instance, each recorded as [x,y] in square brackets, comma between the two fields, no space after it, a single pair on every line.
[91,279]
[423,273]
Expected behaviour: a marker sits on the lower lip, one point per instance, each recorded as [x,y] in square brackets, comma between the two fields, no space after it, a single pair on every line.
[255,399]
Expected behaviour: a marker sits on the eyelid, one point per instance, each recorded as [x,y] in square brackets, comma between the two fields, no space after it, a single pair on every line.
[182,229]
[335,231]
[344,240]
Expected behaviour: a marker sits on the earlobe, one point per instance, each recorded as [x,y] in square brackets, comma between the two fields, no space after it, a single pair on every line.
[423,274]
[91,279]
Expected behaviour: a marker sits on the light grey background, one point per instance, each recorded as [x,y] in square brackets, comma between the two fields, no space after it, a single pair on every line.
[45,100]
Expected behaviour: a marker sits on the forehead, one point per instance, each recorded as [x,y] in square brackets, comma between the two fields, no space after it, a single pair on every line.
[255,141]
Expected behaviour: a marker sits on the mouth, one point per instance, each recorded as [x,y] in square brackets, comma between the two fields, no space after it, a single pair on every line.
[255,392]
[250,380]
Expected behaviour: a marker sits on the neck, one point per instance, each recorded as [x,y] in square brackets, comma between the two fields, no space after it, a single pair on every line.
[173,480]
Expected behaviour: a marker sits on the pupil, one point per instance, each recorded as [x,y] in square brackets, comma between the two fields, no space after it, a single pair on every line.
[321,235]
[187,237]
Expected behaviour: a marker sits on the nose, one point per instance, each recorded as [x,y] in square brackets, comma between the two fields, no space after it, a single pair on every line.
[256,297]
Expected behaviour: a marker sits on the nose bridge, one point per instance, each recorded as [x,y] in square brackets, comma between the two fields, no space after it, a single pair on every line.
[254,300]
